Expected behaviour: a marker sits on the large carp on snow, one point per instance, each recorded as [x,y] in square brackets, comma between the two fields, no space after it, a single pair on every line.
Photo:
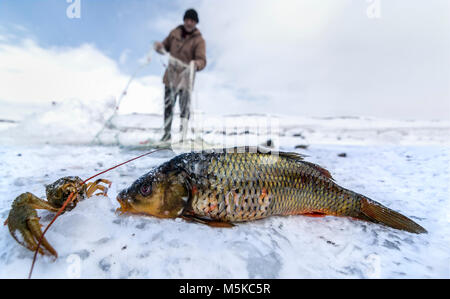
[219,188]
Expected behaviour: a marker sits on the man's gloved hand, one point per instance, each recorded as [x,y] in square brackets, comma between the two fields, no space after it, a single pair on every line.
[159,47]
[196,65]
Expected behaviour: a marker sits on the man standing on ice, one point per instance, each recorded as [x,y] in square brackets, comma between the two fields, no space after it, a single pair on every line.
[187,50]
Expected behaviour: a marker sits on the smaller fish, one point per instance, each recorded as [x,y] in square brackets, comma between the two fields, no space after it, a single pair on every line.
[244,184]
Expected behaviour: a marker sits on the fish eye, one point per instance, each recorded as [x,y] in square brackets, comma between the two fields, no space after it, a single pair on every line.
[146,189]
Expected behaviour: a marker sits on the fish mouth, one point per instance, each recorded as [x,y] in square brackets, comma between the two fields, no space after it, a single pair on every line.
[124,202]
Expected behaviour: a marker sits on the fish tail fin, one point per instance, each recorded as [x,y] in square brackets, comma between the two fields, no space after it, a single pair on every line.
[375,212]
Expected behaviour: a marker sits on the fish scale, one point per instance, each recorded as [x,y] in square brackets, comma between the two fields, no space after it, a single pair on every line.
[257,186]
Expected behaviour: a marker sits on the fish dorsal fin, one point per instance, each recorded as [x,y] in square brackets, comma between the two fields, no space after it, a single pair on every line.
[263,150]
[293,156]
[300,157]
[320,169]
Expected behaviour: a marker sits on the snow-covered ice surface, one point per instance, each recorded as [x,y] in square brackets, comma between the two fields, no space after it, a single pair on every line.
[405,166]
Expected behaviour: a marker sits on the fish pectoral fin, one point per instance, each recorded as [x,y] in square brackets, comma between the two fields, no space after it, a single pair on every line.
[213,223]
[209,222]
[314,214]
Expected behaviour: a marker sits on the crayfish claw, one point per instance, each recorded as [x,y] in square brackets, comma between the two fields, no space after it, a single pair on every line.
[35,229]
[23,223]
[92,187]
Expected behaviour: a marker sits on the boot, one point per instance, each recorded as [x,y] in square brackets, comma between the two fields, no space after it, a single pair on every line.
[166,137]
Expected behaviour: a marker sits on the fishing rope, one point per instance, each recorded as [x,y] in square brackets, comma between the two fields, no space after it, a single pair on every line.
[108,123]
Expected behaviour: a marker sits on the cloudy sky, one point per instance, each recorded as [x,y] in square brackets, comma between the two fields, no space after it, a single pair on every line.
[379,58]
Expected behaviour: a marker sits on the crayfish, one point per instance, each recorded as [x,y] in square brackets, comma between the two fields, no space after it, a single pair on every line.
[62,196]
[23,222]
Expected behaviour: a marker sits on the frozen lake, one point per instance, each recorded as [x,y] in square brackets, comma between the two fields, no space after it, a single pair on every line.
[92,241]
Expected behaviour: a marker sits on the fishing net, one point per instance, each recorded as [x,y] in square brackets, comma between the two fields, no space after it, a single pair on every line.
[146,129]
[197,131]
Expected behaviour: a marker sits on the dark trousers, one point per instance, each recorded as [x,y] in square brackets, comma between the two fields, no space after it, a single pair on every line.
[170,97]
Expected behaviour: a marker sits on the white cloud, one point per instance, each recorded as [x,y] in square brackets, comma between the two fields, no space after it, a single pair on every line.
[325,57]
[31,74]
[314,58]
[124,56]
[19,27]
